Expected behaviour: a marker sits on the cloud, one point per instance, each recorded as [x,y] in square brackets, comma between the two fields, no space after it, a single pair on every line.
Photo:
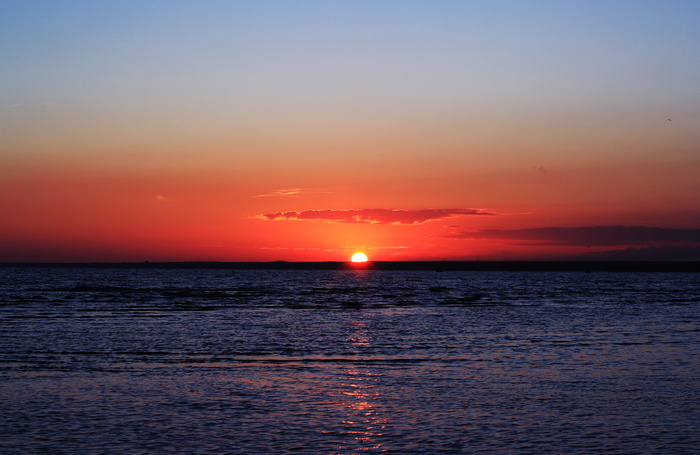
[161,198]
[295,192]
[589,236]
[373,216]
[650,253]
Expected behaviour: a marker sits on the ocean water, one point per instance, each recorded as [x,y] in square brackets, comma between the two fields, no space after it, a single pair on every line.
[195,361]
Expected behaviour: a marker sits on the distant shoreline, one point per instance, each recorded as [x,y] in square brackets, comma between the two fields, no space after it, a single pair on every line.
[435,266]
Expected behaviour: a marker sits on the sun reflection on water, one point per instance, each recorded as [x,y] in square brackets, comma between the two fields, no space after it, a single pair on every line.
[361,399]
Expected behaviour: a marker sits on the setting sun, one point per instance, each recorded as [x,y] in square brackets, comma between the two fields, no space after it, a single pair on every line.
[359,257]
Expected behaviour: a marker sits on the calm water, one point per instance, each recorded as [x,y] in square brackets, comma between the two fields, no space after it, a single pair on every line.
[97,361]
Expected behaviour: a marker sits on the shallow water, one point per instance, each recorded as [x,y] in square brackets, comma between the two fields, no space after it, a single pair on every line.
[101,361]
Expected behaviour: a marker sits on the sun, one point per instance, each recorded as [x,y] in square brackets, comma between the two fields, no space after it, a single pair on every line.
[359,257]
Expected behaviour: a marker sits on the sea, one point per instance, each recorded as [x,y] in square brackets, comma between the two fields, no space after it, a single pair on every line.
[122,360]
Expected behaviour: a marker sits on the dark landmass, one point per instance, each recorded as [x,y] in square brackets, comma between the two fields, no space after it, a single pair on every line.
[435,266]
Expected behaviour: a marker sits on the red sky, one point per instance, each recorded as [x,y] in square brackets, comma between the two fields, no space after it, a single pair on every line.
[306,132]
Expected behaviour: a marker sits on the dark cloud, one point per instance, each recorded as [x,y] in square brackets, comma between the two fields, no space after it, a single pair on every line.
[589,236]
[373,216]
[652,253]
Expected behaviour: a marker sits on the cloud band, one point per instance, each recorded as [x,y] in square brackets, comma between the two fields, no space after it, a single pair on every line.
[589,236]
[374,216]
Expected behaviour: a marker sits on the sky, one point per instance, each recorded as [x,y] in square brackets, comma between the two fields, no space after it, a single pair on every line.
[310,130]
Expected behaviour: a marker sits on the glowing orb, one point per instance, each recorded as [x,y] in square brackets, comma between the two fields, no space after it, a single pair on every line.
[359,257]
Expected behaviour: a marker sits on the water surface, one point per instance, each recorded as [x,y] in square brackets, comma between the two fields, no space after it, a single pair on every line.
[98,361]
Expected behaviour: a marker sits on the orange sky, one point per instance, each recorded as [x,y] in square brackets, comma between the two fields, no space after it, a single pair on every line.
[308,132]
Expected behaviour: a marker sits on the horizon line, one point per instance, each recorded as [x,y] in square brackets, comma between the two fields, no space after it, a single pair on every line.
[425,265]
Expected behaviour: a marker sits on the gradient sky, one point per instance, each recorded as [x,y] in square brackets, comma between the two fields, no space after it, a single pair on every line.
[308,130]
